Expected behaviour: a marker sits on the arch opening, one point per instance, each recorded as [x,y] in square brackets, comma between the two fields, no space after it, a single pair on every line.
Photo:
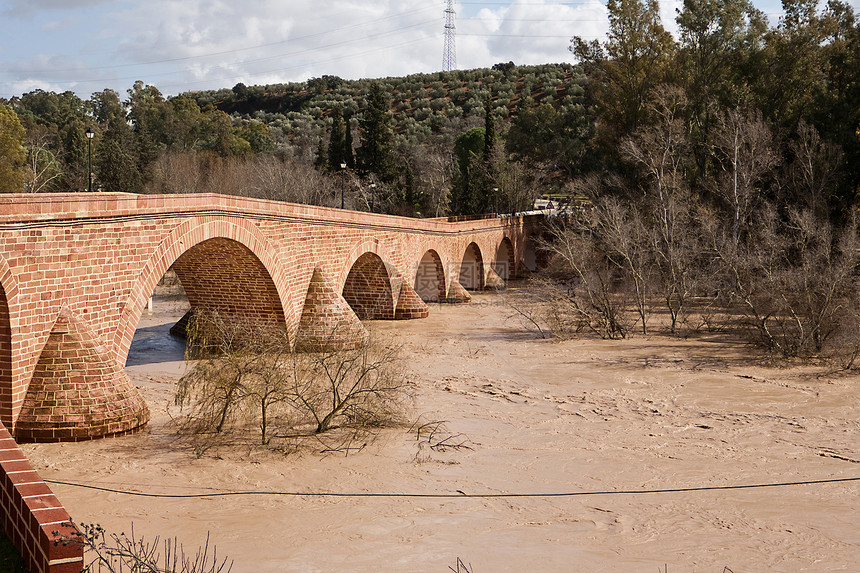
[504,263]
[218,274]
[430,278]
[368,289]
[472,268]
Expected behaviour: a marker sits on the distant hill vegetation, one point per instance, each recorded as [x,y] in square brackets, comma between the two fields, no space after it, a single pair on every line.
[421,104]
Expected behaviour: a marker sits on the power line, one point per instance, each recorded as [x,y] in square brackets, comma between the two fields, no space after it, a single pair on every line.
[280,56]
[248,48]
[458,494]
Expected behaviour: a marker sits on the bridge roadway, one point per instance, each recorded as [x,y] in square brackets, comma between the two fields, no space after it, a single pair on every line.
[77,269]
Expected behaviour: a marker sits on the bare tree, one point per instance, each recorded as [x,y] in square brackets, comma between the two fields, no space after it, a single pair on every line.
[662,152]
[43,166]
[812,177]
[263,176]
[625,239]
[433,173]
[218,386]
[516,185]
[247,372]
[355,388]
[589,288]
[795,281]
[745,153]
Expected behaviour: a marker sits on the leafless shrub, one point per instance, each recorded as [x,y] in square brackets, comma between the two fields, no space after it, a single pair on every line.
[241,367]
[262,176]
[119,553]
[248,374]
[589,282]
[797,285]
[436,437]
[352,388]
[462,567]
[548,307]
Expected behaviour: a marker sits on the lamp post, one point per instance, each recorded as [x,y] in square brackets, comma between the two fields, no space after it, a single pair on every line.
[372,193]
[90,134]
[342,183]
[495,198]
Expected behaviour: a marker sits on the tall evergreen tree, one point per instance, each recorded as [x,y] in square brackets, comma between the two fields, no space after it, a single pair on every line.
[489,129]
[376,154]
[469,196]
[320,157]
[626,68]
[348,152]
[336,141]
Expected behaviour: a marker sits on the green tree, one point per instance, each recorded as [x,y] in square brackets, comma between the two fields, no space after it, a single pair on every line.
[469,195]
[719,40]
[626,68]
[489,128]
[793,69]
[147,111]
[376,154]
[115,163]
[13,156]
[65,119]
[336,141]
[550,140]
[348,152]
[258,136]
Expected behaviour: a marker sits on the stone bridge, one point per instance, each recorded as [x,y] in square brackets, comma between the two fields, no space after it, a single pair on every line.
[77,270]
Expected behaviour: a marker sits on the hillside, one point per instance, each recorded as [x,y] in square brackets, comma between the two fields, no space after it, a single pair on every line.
[422,104]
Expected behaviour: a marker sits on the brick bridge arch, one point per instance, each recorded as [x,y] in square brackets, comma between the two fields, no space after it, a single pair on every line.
[184,239]
[472,274]
[431,277]
[504,262]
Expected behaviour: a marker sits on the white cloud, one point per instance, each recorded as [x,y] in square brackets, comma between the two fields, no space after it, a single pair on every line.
[89,45]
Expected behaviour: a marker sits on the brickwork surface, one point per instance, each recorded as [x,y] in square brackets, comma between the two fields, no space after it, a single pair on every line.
[78,390]
[327,320]
[100,256]
[32,517]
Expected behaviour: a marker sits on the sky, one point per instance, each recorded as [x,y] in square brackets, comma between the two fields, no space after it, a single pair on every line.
[88,45]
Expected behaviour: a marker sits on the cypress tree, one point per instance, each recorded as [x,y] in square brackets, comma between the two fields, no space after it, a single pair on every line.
[320,161]
[348,153]
[336,141]
[376,153]
[489,129]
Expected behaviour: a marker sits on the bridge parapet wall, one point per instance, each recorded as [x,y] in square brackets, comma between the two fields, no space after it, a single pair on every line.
[32,517]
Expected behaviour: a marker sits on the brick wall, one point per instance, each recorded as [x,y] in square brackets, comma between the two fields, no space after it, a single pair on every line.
[32,517]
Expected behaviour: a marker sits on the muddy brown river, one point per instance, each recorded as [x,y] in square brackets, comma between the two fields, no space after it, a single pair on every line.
[599,420]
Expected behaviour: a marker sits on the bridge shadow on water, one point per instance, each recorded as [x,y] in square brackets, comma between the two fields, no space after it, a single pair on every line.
[155,344]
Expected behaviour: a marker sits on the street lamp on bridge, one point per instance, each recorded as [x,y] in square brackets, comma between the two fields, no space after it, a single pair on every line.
[342,183]
[90,135]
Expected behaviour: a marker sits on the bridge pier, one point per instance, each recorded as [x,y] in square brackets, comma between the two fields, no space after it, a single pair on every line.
[78,390]
[327,322]
[457,294]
